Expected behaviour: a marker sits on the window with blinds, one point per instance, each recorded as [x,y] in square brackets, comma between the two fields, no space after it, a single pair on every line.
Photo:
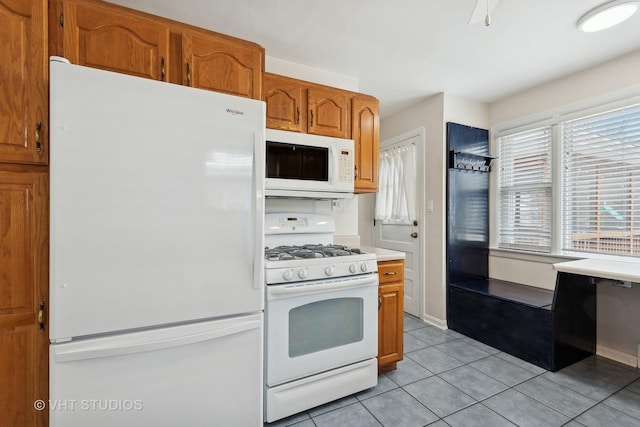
[601,183]
[525,186]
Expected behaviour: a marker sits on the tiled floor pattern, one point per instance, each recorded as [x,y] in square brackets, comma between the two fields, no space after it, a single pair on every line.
[447,379]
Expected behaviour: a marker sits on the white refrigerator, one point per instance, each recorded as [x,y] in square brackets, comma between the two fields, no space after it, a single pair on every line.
[156,278]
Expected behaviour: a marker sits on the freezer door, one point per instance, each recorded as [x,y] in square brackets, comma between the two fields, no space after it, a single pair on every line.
[204,374]
[156,203]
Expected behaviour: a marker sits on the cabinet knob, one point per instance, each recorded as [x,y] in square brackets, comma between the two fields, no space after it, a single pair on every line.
[414,235]
[41,316]
[38,136]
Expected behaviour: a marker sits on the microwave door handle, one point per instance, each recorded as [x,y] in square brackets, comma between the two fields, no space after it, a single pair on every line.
[332,163]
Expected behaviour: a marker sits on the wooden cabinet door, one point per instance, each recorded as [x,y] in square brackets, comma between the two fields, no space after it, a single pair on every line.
[23,284]
[285,103]
[390,325]
[109,37]
[328,112]
[213,62]
[390,314]
[23,73]
[365,132]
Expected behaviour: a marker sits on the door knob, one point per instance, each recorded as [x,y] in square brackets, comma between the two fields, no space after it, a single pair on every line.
[414,235]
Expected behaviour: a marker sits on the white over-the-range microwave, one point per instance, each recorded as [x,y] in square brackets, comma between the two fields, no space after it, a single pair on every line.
[304,165]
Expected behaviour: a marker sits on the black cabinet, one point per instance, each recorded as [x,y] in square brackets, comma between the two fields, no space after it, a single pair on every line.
[551,329]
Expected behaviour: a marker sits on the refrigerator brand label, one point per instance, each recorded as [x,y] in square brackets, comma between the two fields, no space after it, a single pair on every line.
[235,112]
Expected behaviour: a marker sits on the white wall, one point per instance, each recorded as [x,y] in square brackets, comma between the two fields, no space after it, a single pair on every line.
[603,83]
[431,114]
[618,309]
[310,74]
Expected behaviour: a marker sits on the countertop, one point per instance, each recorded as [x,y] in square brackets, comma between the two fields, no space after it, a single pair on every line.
[605,269]
[384,254]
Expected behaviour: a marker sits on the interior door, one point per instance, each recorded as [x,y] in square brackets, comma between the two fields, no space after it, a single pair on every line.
[406,237]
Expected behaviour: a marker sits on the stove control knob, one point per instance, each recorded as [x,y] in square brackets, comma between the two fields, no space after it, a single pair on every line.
[287,275]
[303,273]
[364,267]
[353,268]
[329,271]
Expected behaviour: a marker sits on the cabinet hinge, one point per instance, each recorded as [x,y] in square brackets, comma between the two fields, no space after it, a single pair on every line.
[62,19]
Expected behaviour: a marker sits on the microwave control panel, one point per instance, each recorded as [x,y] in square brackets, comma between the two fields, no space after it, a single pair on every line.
[345,165]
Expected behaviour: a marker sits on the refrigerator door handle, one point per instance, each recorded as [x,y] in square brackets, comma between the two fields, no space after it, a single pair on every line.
[62,355]
[258,201]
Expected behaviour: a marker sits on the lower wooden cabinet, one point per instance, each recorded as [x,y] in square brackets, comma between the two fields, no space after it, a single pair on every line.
[24,303]
[390,314]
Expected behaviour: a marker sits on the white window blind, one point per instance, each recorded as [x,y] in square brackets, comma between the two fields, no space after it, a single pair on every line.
[601,183]
[396,197]
[525,207]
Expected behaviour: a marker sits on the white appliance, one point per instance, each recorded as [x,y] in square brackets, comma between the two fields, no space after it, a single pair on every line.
[305,165]
[156,276]
[321,315]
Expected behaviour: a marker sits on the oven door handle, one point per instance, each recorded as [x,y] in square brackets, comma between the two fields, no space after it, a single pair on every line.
[370,279]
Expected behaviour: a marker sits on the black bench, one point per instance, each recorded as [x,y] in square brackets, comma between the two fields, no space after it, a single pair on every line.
[551,329]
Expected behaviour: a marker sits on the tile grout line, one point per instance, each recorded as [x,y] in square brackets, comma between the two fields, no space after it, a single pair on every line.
[535,375]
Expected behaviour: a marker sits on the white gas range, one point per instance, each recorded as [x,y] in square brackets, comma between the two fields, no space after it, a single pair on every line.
[321,315]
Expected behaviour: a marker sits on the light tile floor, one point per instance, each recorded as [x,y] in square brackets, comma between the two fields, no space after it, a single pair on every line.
[447,379]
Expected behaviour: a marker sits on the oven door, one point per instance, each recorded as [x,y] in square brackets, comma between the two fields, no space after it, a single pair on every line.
[320,325]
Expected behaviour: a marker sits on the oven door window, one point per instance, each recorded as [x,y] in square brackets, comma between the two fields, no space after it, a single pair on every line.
[325,324]
[291,161]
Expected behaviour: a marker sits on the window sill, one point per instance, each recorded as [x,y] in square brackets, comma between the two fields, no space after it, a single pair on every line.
[530,256]
[555,258]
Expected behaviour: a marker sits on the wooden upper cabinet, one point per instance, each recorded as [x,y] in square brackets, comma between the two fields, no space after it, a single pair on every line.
[328,112]
[365,132]
[102,35]
[23,73]
[286,103]
[214,62]
[108,37]
[300,106]
[23,285]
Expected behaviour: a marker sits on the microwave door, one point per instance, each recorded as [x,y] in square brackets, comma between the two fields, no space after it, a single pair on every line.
[303,165]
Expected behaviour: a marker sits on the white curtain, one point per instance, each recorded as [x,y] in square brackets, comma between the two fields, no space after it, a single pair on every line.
[396,197]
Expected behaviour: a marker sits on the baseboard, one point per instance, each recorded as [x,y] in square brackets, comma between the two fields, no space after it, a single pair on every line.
[434,321]
[618,356]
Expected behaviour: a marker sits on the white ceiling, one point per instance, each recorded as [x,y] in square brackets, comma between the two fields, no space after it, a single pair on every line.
[402,51]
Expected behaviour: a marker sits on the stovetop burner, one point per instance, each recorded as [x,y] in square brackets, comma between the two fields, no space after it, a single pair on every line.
[283,253]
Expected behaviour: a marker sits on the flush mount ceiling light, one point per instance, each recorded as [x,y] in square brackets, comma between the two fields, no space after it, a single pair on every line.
[607,15]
